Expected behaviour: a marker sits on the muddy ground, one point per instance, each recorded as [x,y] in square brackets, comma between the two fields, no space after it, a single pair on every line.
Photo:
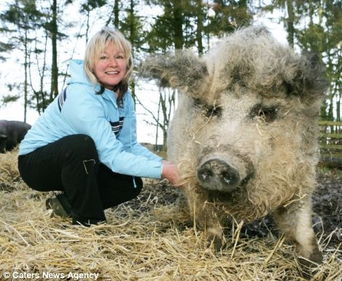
[327,207]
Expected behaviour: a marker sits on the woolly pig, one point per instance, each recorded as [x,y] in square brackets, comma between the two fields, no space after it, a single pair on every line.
[244,133]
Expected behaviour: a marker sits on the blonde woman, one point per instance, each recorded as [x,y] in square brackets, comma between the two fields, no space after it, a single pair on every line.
[85,143]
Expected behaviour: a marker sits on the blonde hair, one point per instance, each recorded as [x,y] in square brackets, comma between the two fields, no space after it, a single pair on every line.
[96,46]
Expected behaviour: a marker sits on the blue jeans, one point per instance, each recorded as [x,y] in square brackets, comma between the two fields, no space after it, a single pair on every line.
[71,165]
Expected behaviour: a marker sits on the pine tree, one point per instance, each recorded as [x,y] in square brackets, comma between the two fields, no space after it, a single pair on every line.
[19,20]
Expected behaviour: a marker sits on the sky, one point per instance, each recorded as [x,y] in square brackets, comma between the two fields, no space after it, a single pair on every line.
[12,70]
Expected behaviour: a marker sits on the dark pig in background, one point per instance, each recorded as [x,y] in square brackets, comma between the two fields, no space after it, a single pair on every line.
[11,134]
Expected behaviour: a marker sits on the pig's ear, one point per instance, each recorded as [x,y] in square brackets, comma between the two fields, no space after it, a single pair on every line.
[181,70]
[309,82]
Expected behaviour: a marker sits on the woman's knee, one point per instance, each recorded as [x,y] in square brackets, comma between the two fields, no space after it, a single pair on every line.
[83,147]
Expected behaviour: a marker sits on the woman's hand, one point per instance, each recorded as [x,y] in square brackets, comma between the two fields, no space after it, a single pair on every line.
[170,172]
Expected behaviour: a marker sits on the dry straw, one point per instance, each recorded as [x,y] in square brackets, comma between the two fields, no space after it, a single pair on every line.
[148,238]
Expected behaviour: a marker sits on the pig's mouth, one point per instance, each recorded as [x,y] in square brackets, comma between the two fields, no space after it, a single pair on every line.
[216,173]
[232,196]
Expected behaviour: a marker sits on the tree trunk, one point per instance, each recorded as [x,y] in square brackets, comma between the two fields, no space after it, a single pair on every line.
[116,13]
[25,74]
[132,34]
[54,67]
[290,22]
[178,24]
[199,29]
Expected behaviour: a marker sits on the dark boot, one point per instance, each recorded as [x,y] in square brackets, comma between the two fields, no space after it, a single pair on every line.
[59,205]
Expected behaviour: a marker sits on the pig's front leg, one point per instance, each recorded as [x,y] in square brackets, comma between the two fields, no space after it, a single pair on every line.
[295,220]
[213,228]
[206,217]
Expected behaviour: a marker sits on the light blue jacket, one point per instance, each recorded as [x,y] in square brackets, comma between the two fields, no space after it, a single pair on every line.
[79,110]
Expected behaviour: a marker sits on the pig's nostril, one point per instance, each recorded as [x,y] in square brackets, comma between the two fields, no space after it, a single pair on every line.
[230,177]
[205,174]
[227,178]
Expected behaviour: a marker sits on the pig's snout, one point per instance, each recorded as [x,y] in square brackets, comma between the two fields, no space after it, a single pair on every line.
[216,174]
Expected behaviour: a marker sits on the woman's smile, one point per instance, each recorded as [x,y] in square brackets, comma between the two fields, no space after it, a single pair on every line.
[111,66]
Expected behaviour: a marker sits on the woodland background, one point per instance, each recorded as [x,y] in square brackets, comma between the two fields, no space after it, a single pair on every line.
[43,35]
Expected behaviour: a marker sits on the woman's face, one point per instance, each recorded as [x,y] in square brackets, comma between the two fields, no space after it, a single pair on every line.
[111,66]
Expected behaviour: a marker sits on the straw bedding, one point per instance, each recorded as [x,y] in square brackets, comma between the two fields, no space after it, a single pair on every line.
[148,238]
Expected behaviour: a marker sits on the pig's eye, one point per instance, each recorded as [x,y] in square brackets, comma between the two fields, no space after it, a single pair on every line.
[266,113]
[209,110]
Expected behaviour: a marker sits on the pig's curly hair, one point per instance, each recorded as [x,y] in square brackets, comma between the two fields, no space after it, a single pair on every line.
[250,58]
